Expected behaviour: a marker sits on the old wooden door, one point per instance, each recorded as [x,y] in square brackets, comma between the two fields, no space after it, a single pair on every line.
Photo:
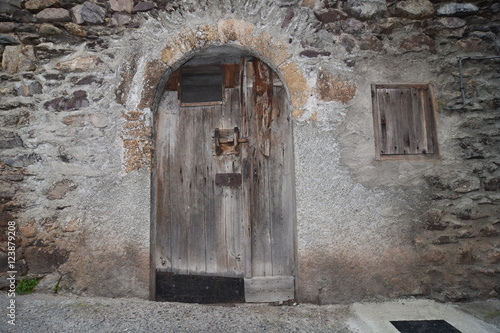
[224,195]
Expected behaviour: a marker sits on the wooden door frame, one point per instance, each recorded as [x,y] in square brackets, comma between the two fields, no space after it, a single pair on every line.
[159,92]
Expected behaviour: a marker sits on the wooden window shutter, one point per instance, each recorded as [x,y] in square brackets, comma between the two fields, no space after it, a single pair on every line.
[404,121]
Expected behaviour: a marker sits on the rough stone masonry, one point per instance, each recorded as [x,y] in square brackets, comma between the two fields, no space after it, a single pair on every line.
[77,98]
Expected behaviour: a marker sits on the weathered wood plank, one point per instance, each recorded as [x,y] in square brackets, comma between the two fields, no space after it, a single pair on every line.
[173,81]
[259,202]
[404,114]
[260,132]
[216,227]
[377,121]
[232,195]
[280,189]
[430,121]
[246,171]
[231,75]
[262,91]
[269,289]
[180,167]
[198,137]
[163,208]
[417,136]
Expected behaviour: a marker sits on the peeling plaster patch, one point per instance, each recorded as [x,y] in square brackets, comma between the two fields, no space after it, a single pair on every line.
[270,48]
[298,113]
[333,88]
[296,82]
[154,71]
[136,137]
[313,117]
[235,31]
[189,40]
[127,73]
[59,190]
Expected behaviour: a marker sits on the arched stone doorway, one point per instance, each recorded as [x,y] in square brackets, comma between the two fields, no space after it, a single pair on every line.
[224,198]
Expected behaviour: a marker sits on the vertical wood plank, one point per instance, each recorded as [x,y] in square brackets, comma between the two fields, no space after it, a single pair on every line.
[431,123]
[262,94]
[377,122]
[280,189]
[417,134]
[180,181]
[197,137]
[404,113]
[395,107]
[259,181]
[231,75]
[232,203]
[246,170]
[166,113]
[216,239]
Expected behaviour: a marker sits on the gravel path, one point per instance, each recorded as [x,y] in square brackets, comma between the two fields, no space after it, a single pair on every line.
[49,313]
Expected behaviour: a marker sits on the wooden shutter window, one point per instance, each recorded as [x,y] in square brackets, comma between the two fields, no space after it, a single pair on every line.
[404,121]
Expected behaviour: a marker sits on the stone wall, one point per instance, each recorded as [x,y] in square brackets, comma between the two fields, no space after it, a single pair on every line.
[78,85]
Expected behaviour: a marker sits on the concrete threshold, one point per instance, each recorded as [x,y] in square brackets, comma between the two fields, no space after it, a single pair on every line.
[376,317]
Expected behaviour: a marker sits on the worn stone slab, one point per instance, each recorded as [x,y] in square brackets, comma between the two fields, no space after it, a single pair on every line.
[366,9]
[60,189]
[414,9]
[75,29]
[122,5]
[8,40]
[78,64]
[457,9]
[144,6]
[39,4]
[23,17]
[120,19]
[7,27]
[50,15]
[47,29]
[19,58]
[328,15]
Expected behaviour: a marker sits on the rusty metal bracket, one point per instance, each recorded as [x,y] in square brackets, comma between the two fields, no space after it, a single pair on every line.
[462,86]
[228,179]
[227,141]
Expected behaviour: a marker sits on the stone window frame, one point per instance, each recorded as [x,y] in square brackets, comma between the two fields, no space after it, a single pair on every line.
[404,119]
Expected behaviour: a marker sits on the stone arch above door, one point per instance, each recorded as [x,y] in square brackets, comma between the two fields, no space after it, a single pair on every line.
[237,33]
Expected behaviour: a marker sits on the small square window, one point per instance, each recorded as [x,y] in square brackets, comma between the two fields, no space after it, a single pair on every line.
[404,121]
[201,85]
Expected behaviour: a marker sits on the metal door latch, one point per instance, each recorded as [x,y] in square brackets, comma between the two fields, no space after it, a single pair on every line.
[227,141]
